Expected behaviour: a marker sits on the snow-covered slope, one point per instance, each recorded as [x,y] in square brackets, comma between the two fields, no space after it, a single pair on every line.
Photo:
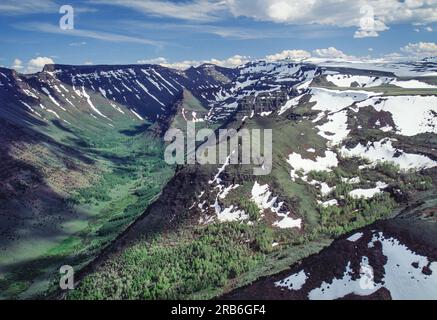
[369,264]
[271,82]
[421,68]
[104,93]
[361,116]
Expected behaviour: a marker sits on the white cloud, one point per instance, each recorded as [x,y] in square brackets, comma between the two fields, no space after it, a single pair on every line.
[233,61]
[392,57]
[238,60]
[365,34]
[32,66]
[284,11]
[369,26]
[369,16]
[420,27]
[17,65]
[230,62]
[421,49]
[330,53]
[77,44]
[36,64]
[160,60]
[289,54]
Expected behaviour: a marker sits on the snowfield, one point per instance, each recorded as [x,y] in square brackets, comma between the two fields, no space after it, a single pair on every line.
[401,278]
[347,80]
[290,104]
[383,150]
[355,237]
[262,196]
[413,84]
[328,203]
[293,282]
[306,165]
[231,214]
[335,130]
[334,112]
[403,274]
[368,193]
[336,100]
[411,114]
[344,286]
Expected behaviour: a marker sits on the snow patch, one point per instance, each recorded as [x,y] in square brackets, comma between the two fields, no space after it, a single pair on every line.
[383,150]
[411,114]
[368,193]
[293,282]
[306,165]
[355,237]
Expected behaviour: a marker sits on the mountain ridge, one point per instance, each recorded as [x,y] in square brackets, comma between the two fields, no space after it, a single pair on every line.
[340,137]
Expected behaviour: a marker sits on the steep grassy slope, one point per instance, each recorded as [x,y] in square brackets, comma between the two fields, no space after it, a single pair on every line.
[64,200]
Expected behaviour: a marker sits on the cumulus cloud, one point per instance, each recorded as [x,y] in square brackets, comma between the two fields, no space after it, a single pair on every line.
[370,28]
[230,62]
[323,53]
[369,16]
[421,49]
[238,60]
[33,65]
[17,65]
[159,60]
[289,54]
[330,53]
[233,61]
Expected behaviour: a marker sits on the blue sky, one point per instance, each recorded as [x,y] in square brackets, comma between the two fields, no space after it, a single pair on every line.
[191,31]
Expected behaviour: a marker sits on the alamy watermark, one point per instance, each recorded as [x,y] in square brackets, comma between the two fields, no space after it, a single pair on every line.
[367,21]
[368,24]
[67,277]
[67,20]
[245,146]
